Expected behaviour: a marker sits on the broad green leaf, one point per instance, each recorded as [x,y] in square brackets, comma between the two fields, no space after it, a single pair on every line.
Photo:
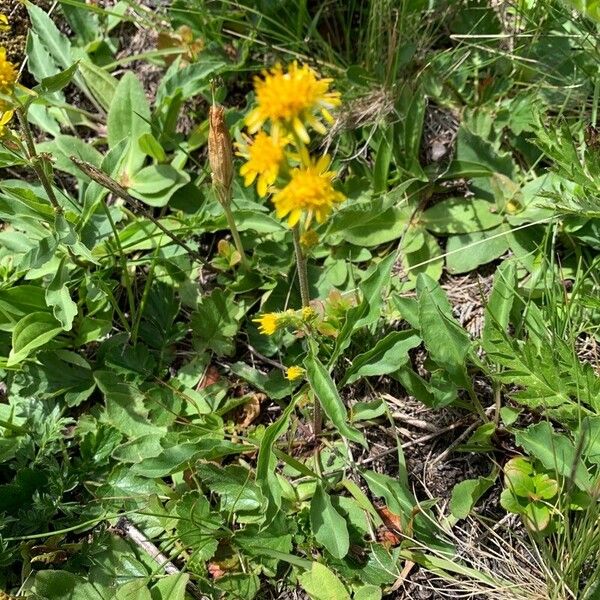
[151,146]
[321,583]
[466,252]
[474,149]
[466,494]
[368,592]
[101,84]
[447,342]
[328,526]
[214,325]
[326,393]
[32,332]
[125,409]
[197,525]
[128,119]
[138,449]
[555,451]
[588,435]
[461,215]
[235,486]
[171,587]
[64,585]
[56,43]
[154,185]
[387,356]
[59,297]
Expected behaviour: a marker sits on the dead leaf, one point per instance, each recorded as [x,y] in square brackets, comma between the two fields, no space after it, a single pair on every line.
[210,377]
[250,411]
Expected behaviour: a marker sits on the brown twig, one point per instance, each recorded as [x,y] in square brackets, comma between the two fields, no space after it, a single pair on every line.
[118,190]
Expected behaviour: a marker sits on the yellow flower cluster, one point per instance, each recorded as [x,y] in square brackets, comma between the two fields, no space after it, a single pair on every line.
[289,103]
[270,323]
[8,78]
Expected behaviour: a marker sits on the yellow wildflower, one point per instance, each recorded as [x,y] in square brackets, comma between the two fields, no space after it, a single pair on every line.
[264,154]
[294,372]
[4,25]
[268,323]
[310,190]
[292,100]
[308,312]
[5,117]
[8,73]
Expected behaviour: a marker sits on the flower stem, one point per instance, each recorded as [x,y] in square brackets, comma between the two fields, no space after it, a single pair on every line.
[235,235]
[305,295]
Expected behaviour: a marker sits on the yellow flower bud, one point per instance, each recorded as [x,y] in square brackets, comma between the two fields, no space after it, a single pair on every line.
[294,372]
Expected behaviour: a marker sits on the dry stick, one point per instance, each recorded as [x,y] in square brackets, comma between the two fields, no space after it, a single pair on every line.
[129,530]
[118,190]
[37,161]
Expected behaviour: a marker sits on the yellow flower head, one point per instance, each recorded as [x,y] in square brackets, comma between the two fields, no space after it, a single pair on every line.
[292,99]
[4,25]
[268,323]
[310,190]
[5,117]
[264,155]
[308,313]
[294,372]
[8,73]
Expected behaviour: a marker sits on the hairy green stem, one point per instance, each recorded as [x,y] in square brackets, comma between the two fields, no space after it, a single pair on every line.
[305,295]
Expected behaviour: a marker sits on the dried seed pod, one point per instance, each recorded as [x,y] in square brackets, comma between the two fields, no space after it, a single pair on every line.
[220,153]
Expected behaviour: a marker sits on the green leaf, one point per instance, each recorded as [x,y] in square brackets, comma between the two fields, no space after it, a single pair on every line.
[327,394]
[368,311]
[213,323]
[57,82]
[59,297]
[500,302]
[128,119]
[367,592]
[461,215]
[555,451]
[447,342]
[62,147]
[190,80]
[468,251]
[387,356]
[125,409]
[320,583]
[151,146]
[328,526]
[467,493]
[56,43]
[234,485]
[63,585]
[474,149]
[171,587]
[154,185]
[101,84]
[32,332]
[197,525]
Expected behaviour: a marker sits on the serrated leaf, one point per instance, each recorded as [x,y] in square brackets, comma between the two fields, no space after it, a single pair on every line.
[197,525]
